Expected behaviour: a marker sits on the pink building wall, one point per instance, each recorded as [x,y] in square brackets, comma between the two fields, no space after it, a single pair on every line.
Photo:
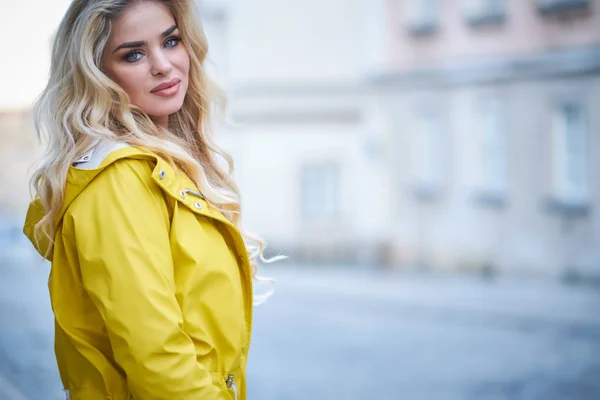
[524,30]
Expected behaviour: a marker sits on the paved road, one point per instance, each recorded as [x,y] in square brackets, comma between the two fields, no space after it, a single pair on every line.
[355,334]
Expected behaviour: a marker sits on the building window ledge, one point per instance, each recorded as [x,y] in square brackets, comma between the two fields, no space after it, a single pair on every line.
[423,28]
[567,207]
[559,6]
[489,18]
[490,198]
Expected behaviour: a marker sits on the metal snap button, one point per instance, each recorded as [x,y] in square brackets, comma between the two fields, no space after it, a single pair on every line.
[161,174]
[198,205]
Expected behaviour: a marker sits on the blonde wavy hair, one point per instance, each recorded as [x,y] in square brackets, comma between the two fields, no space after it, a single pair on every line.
[81,105]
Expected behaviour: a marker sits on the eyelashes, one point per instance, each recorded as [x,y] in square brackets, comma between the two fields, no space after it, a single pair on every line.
[136,55]
[173,39]
[132,56]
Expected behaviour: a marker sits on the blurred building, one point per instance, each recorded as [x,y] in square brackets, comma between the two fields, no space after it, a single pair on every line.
[294,72]
[23,75]
[450,134]
[16,143]
[444,134]
[491,106]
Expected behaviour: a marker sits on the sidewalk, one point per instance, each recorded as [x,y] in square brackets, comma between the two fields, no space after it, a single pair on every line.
[9,392]
[451,337]
[568,307]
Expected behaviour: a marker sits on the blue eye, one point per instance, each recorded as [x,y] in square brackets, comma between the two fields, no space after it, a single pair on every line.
[133,56]
[172,42]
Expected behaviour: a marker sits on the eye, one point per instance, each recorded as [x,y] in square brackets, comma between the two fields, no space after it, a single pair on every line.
[172,42]
[133,56]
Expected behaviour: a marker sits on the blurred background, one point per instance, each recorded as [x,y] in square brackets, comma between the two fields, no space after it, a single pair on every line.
[431,168]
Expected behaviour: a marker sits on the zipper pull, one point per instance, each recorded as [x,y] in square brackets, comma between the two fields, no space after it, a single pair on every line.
[231,385]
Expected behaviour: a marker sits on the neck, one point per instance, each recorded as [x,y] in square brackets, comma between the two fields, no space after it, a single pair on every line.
[162,121]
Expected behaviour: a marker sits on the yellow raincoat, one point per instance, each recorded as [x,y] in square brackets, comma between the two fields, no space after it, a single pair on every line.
[150,285]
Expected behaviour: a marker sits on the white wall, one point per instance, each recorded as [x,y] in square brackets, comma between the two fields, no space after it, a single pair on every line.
[269,158]
[290,41]
[283,45]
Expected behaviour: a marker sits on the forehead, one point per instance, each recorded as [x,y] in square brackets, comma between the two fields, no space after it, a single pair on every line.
[142,21]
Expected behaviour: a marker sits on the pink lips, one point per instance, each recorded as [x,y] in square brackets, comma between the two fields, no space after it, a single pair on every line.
[166,87]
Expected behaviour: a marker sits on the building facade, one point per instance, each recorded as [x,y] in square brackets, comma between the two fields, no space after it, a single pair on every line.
[444,134]
[492,111]
[293,71]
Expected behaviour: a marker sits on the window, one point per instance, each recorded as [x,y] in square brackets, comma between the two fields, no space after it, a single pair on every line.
[423,16]
[320,191]
[428,154]
[481,12]
[570,153]
[493,146]
[558,6]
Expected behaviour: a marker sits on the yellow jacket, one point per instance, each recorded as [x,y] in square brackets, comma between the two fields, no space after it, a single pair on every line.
[150,285]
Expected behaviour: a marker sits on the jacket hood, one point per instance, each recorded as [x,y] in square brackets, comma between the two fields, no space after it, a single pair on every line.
[81,173]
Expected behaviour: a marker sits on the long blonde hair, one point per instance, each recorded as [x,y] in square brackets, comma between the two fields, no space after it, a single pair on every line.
[81,104]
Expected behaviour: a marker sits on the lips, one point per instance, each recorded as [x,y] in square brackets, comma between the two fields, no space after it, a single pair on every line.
[166,85]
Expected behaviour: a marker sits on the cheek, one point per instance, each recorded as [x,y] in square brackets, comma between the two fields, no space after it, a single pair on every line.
[132,81]
[183,61]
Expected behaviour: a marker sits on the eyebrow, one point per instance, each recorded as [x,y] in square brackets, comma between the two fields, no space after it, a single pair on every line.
[128,45]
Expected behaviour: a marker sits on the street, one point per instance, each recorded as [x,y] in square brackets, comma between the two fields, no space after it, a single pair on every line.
[351,333]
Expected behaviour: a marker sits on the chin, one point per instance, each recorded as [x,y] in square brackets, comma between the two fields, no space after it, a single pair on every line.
[164,111]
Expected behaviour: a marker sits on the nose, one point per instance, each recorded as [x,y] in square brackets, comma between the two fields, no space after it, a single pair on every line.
[160,64]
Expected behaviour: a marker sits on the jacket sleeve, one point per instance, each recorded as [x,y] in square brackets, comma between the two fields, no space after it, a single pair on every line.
[121,230]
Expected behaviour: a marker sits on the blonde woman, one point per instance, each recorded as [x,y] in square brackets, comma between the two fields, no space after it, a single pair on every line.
[151,278]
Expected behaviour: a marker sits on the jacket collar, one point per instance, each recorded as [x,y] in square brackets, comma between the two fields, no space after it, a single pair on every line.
[174,182]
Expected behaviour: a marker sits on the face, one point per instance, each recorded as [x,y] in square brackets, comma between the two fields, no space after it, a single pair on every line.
[146,57]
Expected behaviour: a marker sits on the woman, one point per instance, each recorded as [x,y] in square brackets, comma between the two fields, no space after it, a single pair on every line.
[151,279]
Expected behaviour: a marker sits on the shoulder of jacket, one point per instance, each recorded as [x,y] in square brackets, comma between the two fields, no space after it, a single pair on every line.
[108,176]
[99,151]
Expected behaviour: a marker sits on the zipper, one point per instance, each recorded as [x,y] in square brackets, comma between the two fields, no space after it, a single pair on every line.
[231,385]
